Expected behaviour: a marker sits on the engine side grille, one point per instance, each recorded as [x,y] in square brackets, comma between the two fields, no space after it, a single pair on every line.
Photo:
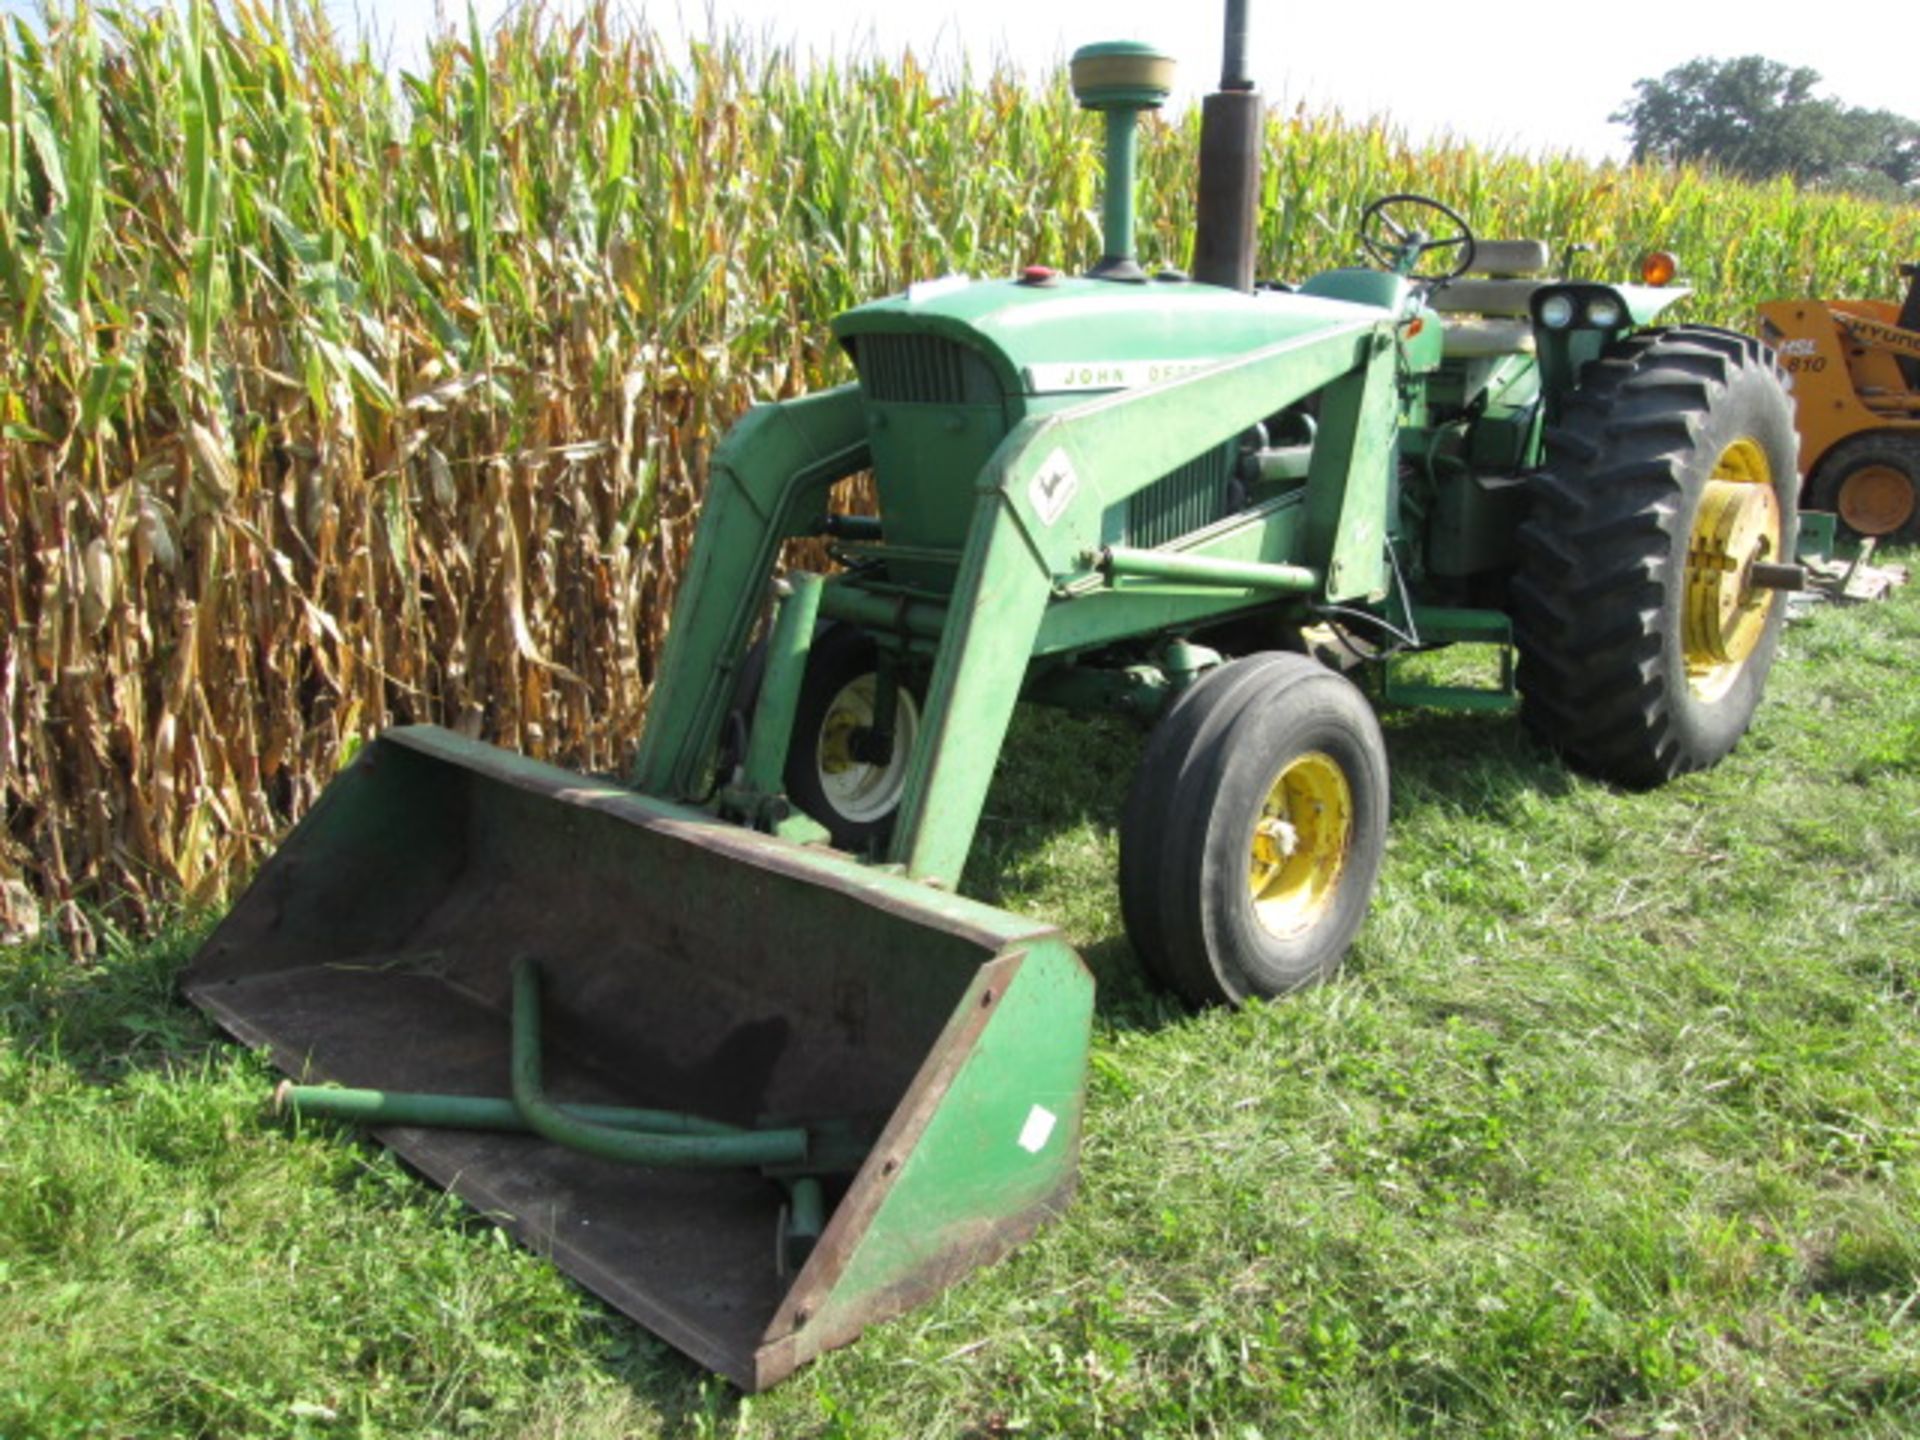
[1181,501]
[922,370]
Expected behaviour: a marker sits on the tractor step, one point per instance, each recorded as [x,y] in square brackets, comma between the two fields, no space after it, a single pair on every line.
[1444,625]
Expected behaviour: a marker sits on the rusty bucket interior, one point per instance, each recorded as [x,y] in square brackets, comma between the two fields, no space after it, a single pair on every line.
[686,966]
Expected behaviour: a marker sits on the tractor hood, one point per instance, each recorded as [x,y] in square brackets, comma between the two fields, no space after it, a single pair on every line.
[1066,334]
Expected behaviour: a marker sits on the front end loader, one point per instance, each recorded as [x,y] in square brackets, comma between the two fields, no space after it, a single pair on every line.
[722,1039]
[1855,366]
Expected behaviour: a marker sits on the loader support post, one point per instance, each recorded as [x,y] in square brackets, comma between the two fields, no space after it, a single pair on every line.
[1348,479]
[994,618]
[780,691]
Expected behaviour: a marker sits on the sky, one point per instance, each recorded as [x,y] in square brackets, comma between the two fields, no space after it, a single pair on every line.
[1535,83]
[1544,80]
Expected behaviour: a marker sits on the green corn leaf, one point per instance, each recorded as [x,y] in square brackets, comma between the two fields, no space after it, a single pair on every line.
[80,84]
[202,107]
[108,384]
[46,150]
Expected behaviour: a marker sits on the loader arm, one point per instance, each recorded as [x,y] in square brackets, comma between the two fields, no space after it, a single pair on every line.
[769,479]
[1878,335]
[1037,527]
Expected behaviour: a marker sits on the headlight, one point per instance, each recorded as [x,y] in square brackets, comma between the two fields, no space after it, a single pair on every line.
[1603,313]
[1556,312]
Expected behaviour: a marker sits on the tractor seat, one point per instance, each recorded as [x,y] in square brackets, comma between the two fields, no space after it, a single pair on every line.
[1495,302]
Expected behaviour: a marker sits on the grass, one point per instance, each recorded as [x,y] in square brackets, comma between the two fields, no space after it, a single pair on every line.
[1608,1128]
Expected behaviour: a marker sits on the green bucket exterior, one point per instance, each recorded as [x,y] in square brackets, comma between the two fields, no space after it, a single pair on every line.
[689,965]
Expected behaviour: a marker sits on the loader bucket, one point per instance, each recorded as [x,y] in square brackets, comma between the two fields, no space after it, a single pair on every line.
[933,1047]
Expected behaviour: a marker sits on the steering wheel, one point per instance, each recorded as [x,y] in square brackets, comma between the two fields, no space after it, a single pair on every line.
[1392,232]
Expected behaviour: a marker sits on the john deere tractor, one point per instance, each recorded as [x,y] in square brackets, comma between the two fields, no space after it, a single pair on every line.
[1137,492]
[792,1082]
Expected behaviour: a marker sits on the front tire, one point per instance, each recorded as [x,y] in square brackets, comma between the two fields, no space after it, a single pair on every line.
[832,774]
[1872,482]
[1644,646]
[1252,839]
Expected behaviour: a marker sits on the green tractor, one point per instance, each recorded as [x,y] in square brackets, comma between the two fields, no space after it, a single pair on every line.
[1149,494]
[1093,490]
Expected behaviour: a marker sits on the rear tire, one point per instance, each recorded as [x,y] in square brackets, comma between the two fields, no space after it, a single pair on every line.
[1872,482]
[1252,840]
[1643,649]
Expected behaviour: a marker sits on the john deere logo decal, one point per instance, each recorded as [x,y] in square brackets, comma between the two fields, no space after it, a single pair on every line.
[1052,488]
[1109,374]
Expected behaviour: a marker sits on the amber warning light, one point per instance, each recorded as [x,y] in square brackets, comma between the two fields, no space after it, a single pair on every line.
[1658,268]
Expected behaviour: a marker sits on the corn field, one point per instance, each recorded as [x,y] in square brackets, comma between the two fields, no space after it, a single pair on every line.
[335,399]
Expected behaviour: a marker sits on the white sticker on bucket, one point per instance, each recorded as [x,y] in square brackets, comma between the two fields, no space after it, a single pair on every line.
[1038,1129]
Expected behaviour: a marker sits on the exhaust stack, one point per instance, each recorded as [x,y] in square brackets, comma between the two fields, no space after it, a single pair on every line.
[1230,136]
[1120,78]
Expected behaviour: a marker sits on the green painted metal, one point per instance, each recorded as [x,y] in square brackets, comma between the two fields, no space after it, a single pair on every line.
[1819,530]
[1375,288]
[1138,690]
[1461,698]
[1564,352]
[1457,625]
[1448,624]
[1078,336]
[787,650]
[1120,75]
[1039,511]
[1109,447]
[1116,214]
[1121,78]
[1003,1106]
[1072,337]
[608,1142]
[686,964]
[1347,485]
[1133,610]
[999,597]
[1118,560]
[826,1147]
[958,442]
[885,614]
[472,1112]
[1647,303]
[806,1218]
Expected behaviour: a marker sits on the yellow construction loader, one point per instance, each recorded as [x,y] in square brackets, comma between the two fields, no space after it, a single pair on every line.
[1856,373]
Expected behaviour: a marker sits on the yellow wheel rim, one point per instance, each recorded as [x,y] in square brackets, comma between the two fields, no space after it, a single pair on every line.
[1876,500]
[1299,844]
[1736,526]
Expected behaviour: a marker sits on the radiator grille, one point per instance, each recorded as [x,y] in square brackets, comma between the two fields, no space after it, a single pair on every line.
[922,370]
[1181,501]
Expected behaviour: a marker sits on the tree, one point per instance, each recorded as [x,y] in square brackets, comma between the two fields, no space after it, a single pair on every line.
[1760,118]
